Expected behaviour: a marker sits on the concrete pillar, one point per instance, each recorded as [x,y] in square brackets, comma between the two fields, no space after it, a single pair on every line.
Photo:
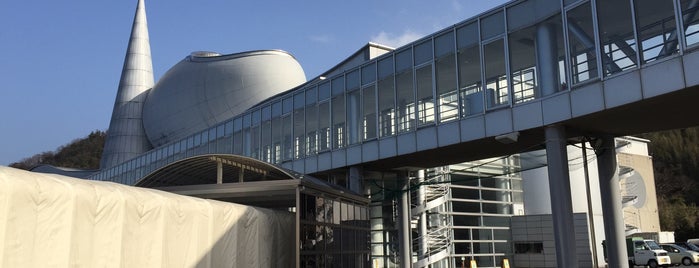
[404,241]
[219,172]
[355,182]
[547,59]
[561,204]
[611,202]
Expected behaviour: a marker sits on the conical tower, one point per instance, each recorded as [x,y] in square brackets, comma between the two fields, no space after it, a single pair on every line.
[126,137]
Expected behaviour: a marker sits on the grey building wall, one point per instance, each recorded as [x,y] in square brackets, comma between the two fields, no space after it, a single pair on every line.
[530,231]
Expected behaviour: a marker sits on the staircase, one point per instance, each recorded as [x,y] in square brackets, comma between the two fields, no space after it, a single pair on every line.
[429,199]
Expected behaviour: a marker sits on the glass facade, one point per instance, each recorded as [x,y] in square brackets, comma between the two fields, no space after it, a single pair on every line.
[333,231]
[521,52]
[517,53]
[484,195]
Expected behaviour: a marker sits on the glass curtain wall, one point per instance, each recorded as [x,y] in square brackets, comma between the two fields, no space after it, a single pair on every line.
[334,231]
[502,58]
[483,194]
[382,220]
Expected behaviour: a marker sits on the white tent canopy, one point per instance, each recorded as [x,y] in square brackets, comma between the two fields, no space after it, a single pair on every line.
[50,220]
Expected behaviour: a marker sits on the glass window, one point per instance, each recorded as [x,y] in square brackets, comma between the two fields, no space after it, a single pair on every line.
[255,142]
[276,108]
[354,115]
[469,70]
[352,80]
[529,13]
[256,117]
[386,90]
[690,21]
[299,100]
[368,73]
[582,44]
[536,58]
[405,99]
[338,86]
[299,140]
[423,52]
[324,91]
[445,71]
[338,112]
[266,112]
[277,134]
[468,207]
[492,25]
[311,95]
[287,139]
[444,44]
[266,141]
[655,23]
[404,60]
[287,105]
[616,36]
[369,112]
[495,76]
[423,81]
[228,128]
[324,126]
[311,129]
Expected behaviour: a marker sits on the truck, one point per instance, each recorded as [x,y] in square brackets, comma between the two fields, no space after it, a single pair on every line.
[646,252]
[643,252]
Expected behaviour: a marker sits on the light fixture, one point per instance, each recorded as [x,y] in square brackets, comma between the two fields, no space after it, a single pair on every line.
[508,138]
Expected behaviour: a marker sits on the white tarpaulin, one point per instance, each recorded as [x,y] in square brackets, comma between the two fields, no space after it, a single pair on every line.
[50,220]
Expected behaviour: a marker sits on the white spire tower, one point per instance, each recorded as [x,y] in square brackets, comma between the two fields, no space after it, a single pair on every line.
[126,136]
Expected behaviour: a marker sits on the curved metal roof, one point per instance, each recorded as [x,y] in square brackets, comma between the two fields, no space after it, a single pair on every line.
[202,169]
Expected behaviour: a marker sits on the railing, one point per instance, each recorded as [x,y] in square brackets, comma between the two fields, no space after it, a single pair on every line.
[436,240]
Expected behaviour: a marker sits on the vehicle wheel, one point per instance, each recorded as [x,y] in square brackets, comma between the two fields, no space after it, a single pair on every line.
[686,262]
[653,264]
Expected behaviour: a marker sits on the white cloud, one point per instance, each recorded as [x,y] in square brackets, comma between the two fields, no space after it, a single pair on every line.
[321,38]
[394,40]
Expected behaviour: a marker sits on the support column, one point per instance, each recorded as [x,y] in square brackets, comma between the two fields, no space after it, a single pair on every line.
[403,223]
[611,202]
[547,59]
[355,179]
[561,204]
[219,172]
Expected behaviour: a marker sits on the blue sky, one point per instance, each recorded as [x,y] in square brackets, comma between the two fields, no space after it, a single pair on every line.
[62,60]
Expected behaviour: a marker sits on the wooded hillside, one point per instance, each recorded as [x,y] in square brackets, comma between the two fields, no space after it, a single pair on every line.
[83,153]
